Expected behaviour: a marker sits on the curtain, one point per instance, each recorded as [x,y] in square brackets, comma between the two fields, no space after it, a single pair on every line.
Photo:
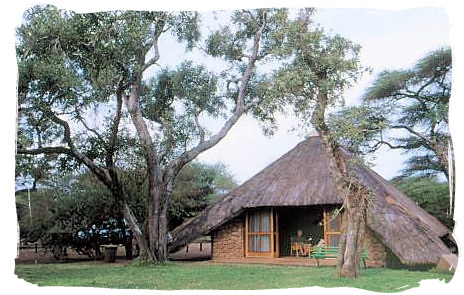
[259,231]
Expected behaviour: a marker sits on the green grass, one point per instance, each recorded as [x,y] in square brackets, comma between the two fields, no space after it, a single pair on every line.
[204,275]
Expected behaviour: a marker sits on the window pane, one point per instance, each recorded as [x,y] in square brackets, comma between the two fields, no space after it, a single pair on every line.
[254,222]
[335,223]
[259,222]
[265,222]
[265,243]
[252,243]
[259,243]
[334,240]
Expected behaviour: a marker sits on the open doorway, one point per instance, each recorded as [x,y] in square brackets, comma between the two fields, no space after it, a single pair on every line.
[307,219]
[318,225]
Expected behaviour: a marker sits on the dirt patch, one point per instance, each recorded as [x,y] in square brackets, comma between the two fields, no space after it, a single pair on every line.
[29,255]
[43,255]
[194,252]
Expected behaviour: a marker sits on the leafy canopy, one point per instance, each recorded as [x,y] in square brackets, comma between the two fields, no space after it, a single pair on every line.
[405,109]
[315,61]
[430,194]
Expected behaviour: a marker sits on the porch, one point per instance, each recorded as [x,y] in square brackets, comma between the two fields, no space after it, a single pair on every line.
[284,232]
[288,261]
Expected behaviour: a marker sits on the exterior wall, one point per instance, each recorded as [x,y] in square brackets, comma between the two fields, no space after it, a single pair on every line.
[376,249]
[228,241]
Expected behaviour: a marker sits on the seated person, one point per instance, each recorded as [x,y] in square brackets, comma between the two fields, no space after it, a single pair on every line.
[298,243]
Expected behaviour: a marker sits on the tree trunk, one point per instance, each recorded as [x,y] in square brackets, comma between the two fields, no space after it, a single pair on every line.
[163,234]
[153,212]
[145,251]
[149,152]
[167,188]
[354,194]
[348,264]
[445,153]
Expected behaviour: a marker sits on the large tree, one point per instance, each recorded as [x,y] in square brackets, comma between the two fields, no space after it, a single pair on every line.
[321,68]
[407,110]
[76,71]
[420,97]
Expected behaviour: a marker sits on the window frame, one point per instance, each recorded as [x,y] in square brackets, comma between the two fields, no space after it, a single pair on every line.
[272,234]
[328,232]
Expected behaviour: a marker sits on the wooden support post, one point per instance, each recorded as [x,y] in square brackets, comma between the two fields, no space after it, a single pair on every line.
[272,249]
[277,250]
[324,221]
[246,234]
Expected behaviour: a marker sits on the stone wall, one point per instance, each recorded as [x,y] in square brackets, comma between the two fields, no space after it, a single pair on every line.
[376,249]
[229,240]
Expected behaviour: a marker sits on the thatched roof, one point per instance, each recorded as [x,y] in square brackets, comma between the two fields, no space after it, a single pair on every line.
[302,178]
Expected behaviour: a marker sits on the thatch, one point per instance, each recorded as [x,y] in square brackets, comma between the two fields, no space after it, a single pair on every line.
[302,178]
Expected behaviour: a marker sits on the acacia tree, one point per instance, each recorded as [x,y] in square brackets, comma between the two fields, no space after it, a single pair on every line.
[70,64]
[407,110]
[420,96]
[322,67]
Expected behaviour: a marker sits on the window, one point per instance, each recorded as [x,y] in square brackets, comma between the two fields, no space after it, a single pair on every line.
[259,231]
[261,237]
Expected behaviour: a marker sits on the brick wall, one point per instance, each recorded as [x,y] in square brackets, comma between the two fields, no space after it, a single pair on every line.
[377,250]
[229,240]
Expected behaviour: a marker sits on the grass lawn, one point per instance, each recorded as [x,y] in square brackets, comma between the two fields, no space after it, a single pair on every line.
[204,275]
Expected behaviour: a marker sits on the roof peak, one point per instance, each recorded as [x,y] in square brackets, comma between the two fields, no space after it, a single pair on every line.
[313,133]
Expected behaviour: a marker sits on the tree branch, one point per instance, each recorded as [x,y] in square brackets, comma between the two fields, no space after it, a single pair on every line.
[45,150]
[101,173]
[159,29]
[111,147]
[80,119]
[200,128]
[177,164]
[170,139]
[412,131]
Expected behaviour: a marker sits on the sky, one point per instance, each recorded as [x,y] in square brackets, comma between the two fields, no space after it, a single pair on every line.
[389,39]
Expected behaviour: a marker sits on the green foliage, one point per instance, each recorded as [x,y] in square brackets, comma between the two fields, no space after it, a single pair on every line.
[228,42]
[430,194]
[65,204]
[197,186]
[404,109]
[318,62]
[72,65]
[357,128]
[36,221]
[419,100]
[177,98]
[69,202]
